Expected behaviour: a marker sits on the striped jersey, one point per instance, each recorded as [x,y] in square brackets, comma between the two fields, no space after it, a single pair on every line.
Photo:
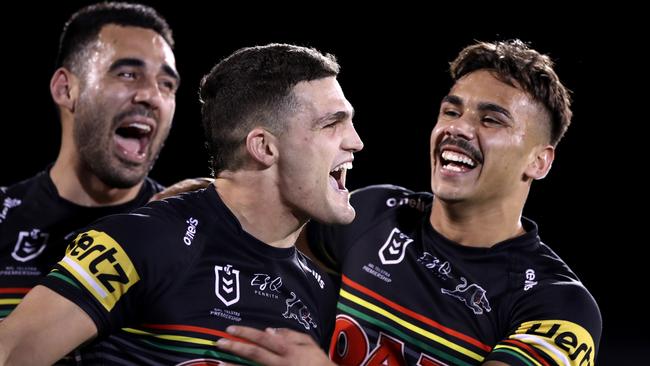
[411,296]
[164,282]
[35,226]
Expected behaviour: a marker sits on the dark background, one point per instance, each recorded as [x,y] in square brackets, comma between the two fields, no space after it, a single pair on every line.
[394,71]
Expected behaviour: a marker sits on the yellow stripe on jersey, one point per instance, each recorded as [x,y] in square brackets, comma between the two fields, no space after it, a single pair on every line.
[100,264]
[172,337]
[410,326]
[11,301]
[567,343]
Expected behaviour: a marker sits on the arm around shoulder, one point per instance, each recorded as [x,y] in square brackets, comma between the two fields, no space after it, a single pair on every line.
[42,329]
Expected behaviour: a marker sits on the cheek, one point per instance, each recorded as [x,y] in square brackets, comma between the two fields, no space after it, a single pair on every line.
[171,108]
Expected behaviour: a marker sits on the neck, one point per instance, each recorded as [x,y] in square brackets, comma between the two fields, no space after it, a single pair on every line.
[258,207]
[82,187]
[477,226]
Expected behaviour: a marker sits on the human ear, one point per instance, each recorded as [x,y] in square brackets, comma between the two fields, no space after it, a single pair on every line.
[64,88]
[261,146]
[540,165]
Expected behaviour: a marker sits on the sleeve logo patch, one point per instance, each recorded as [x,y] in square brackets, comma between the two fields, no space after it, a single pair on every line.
[565,342]
[101,265]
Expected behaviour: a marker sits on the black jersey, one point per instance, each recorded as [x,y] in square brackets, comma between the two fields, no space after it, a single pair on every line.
[35,226]
[411,296]
[163,283]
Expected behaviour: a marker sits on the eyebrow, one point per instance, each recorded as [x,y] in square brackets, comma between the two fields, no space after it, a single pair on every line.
[482,106]
[336,116]
[134,62]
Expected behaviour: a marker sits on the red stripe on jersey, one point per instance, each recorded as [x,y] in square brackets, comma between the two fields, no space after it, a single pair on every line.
[415,315]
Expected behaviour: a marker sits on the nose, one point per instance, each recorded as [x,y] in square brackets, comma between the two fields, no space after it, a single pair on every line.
[352,142]
[461,127]
[148,92]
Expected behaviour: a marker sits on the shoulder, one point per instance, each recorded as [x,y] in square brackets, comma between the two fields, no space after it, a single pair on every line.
[375,201]
[25,199]
[21,188]
[156,229]
[555,299]
[152,186]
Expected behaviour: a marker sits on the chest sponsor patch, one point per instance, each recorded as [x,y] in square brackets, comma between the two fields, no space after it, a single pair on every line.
[100,264]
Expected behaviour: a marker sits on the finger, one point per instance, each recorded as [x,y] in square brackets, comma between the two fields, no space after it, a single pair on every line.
[268,338]
[250,351]
[292,336]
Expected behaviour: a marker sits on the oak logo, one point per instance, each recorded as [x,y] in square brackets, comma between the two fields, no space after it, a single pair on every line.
[566,342]
[100,264]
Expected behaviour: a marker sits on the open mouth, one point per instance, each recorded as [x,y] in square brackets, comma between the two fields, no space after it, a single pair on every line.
[338,175]
[456,161]
[132,139]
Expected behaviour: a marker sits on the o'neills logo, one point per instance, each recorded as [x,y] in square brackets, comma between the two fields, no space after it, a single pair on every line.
[226,284]
[7,204]
[192,223]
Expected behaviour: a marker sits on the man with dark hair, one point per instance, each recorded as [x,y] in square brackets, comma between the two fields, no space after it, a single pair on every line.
[458,277]
[114,88]
[160,285]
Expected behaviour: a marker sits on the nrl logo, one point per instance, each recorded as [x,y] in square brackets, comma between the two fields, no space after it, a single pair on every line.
[392,252]
[30,244]
[226,284]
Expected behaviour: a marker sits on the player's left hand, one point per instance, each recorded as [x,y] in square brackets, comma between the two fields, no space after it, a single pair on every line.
[275,347]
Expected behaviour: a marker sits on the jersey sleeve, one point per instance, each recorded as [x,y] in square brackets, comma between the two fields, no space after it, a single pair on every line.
[118,265]
[329,243]
[558,325]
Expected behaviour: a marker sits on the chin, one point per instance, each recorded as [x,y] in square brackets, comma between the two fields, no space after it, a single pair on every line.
[346,217]
[340,217]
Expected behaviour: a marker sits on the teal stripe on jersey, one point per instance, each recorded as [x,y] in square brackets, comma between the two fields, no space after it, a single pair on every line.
[65,278]
[512,353]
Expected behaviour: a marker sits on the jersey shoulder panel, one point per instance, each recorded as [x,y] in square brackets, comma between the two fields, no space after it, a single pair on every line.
[123,261]
[554,317]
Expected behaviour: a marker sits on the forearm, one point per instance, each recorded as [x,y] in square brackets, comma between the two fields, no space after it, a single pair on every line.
[42,329]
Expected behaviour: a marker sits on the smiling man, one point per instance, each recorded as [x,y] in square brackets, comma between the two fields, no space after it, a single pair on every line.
[162,284]
[458,277]
[115,90]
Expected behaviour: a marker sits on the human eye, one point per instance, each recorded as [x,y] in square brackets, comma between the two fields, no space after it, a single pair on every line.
[169,85]
[127,74]
[492,121]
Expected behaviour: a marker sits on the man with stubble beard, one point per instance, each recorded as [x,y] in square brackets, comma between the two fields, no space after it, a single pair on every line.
[114,87]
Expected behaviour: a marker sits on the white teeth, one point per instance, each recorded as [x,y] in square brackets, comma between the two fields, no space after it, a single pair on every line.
[141,126]
[455,168]
[346,166]
[461,158]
